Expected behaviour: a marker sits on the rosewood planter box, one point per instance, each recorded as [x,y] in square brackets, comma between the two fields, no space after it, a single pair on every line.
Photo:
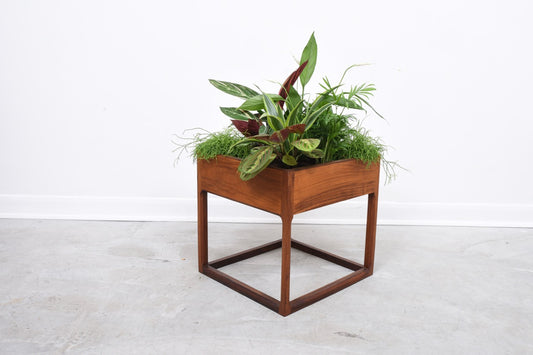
[290,191]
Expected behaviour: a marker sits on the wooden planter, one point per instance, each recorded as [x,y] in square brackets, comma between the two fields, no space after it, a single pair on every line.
[290,191]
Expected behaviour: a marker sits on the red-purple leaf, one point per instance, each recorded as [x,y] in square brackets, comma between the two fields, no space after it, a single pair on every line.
[253,127]
[242,126]
[289,82]
[297,128]
[280,136]
[248,128]
[263,137]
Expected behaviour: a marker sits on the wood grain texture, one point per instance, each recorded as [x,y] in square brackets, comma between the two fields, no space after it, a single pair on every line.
[328,290]
[286,192]
[371,223]
[242,288]
[286,221]
[243,255]
[311,187]
[352,265]
[220,177]
[202,229]
[333,182]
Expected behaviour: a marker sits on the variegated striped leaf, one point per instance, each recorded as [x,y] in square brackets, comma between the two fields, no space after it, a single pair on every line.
[306,144]
[255,103]
[256,162]
[269,105]
[237,114]
[311,117]
[274,113]
[234,89]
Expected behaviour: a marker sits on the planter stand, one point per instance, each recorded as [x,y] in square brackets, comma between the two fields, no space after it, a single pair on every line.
[286,192]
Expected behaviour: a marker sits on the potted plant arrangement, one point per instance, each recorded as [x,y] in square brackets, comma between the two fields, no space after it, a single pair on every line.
[287,153]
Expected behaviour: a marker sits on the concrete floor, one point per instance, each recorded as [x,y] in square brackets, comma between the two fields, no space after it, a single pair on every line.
[133,287]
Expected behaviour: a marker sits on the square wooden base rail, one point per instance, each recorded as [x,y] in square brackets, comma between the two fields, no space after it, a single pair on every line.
[286,192]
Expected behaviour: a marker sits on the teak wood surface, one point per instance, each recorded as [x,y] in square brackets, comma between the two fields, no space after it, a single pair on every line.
[290,191]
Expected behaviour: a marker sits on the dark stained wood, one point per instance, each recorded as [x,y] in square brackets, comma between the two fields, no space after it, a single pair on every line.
[328,289]
[242,288]
[286,192]
[285,308]
[220,177]
[371,222]
[352,265]
[286,221]
[333,182]
[243,255]
[202,229]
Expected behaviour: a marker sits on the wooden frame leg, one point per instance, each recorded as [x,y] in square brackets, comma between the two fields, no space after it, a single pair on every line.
[371,222]
[285,307]
[202,231]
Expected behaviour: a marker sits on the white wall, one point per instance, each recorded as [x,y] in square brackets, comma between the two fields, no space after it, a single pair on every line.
[92,91]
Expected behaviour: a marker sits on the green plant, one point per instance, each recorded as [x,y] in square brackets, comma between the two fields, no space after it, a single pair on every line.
[208,145]
[291,128]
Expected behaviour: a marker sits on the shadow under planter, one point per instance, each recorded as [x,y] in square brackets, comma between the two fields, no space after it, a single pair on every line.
[290,191]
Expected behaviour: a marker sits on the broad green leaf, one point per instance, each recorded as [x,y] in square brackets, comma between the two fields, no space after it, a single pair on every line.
[255,159]
[309,54]
[316,153]
[274,123]
[263,130]
[256,162]
[294,114]
[233,89]
[306,144]
[274,116]
[270,106]
[255,103]
[321,104]
[237,114]
[312,117]
[293,99]
[289,160]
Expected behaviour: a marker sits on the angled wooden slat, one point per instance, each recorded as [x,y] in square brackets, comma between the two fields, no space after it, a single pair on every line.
[243,255]
[242,288]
